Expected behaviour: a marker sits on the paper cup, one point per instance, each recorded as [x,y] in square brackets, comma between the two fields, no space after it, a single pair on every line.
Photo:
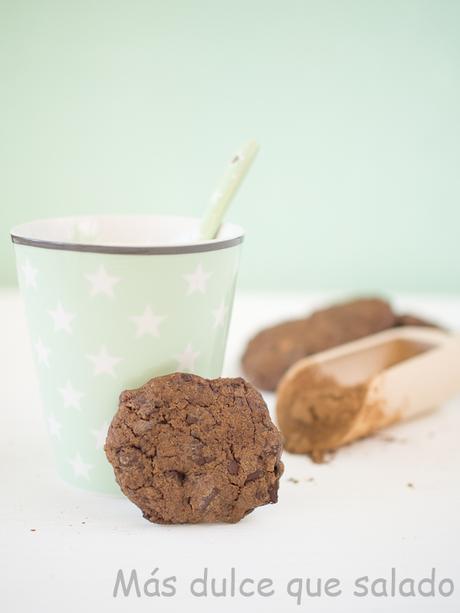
[112,301]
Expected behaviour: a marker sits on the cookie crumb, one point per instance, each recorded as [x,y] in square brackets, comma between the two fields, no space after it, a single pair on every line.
[293,480]
[33,529]
[410,485]
[310,479]
[388,438]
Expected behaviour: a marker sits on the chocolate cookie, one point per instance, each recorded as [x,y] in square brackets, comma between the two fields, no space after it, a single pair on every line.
[187,450]
[271,352]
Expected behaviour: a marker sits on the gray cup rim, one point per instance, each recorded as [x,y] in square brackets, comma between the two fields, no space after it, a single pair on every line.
[19,237]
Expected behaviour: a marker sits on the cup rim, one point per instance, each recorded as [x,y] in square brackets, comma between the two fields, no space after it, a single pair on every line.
[20,235]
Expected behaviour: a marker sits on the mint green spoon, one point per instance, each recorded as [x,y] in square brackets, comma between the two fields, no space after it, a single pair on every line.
[227,188]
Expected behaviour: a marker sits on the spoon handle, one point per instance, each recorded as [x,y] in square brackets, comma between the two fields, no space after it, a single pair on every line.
[226,189]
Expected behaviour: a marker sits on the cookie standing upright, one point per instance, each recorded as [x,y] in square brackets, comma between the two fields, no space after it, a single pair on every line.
[188,450]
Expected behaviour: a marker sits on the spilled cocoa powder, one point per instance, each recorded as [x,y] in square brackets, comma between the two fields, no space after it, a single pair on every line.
[316,414]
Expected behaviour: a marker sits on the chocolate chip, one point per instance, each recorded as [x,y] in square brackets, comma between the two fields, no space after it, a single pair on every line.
[253,476]
[273,492]
[206,501]
[233,467]
[177,475]
[201,460]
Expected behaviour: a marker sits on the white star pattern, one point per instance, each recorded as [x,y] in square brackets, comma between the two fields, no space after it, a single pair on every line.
[29,274]
[54,427]
[219,315]
[80,468]
[197,280]
[100,435]
[62,319]
[71,396]
[43,353]
[147,323]
[103,362]
[186,359]
[101,282]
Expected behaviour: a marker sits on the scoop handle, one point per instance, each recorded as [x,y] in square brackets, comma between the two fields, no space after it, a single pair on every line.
[422,382]
[220,200]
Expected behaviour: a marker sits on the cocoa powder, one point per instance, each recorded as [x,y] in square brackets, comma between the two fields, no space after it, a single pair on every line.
[317,414]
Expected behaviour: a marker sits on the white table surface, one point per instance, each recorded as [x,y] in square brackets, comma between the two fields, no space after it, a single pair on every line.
[357,517]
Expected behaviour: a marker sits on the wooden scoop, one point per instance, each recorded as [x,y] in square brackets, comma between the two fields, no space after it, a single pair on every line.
[339,395]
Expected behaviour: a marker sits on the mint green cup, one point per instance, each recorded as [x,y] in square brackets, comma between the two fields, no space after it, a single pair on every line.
[112,301]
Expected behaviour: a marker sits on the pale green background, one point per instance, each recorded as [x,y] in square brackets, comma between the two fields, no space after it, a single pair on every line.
[136,106]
